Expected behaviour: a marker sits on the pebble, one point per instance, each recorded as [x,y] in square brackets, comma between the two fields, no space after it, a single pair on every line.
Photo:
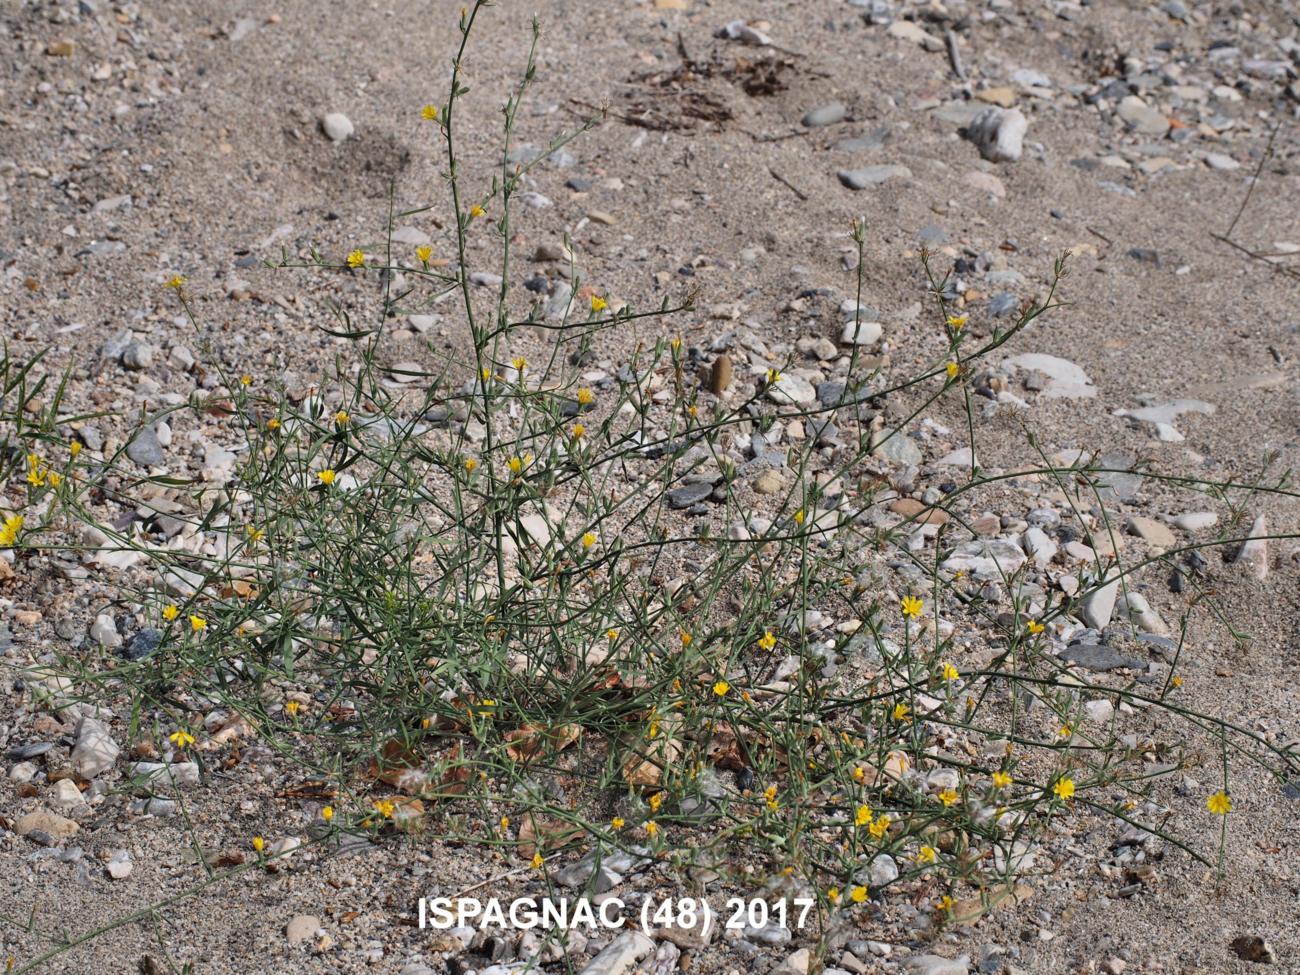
[1254,551]
[138,355]
[688,494]
[985,183]
[898,447]
[1099,657]
[1065,379]
[795,964]
[1217,160]
[937,965]
[336,126]
[104,632]
[1193,521]
[908,30]
[45,827]
[769,482]
[621,955]
[145,449]
[1141,117]
[66,795]
[999,134]
[1161,416]
[791,388]
[95,751]
[860,179]
[1152,531]
[143,644]
[827,114]
[302,928]
[1099,605]
[861,333]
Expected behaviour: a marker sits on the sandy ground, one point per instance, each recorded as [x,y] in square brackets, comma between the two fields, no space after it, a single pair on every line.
[215,140]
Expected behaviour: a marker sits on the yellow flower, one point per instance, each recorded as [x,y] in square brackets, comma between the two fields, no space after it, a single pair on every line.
[326,476]
[655,801]
[476,211]
[327,813]
[175,282]
[424,252]
[598,303]
[55,478]
[651,829]
[1064,788]
[538,861]
[470,465]
[273,424]
[859,774]
[912,607]
[429,113]
[292,708]
[35,473]
[833,895]
[520,364]
[901,711]
[505,823]
[198,623]
[880,827]
[1065,731]
[356,258]
[769,796]
[611,635]
[1176,680]
[957,322]
[773,377]
[858,895]
[516,464]
[1001,780]
[945,903]
[589,539]
[767,641]
[578,431]
[245,380]
[385,807]
[676,343]
[585,396]
[927,854]
[1220,803]
[170,612]
[686,638]
[862,816]
[721,688]
[799,517]
[485,373]
[181,739]
[74,448]
[259,844]
[1034,627]
[617,822]
[952,369]
[693,410]
[949,672]
[341,418]
[9,533]
[948,797]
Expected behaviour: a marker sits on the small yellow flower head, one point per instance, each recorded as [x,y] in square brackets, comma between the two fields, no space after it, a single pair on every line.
[356,258]
[1176,680]
[259,844]
[485,373]
[676,343]
[656,801]
[767,641]
[385,807]
[341,418]
[198,623]
[505,823]
[880,827]
[686,638]
[859,774]
[170,612]
[292,708]
[1001,780]
[1034,627]
[862,816]
[327,813]
[945,902]
[181,738]
[273,424]
[1065,731]
[579,431]
[949,672]
[255,535]
[799,517]
[423,253]
[520,364]
[245,380]
[952,369]
[721,687]
[611,635]
[911,606]
[586,397]
[74,448]
[589,539]
[55,478]
[833,895]
[693,410]
[326,476]
[175,282]
[957,322]
[948,797]
[927,854]
[470,465]
[651,828]
[516,464]
[1064,788]
[476,211]
[617,822]
[9,533]
[858,894]
[429,113]
[773,377]
[901,711]
[1220,803]
[598,303]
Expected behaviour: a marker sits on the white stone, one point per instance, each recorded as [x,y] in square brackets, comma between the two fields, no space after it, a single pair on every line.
[861,333]
[95,751]
[1065,379]
[999,133]
[1192,521]
[337,126]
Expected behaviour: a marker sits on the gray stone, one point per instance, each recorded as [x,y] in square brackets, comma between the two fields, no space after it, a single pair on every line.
[937,965]
[999,133]
[792,389]
[1099,657]
[688,494]
[989,558]
[1192,521]
[138,355]
[896,446]
[1099,605]
[1141,117]
[621,956]
[95,750]
[143,644]
[145,449]
[860,179]
[336,126]
[865,142]
[827,114]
